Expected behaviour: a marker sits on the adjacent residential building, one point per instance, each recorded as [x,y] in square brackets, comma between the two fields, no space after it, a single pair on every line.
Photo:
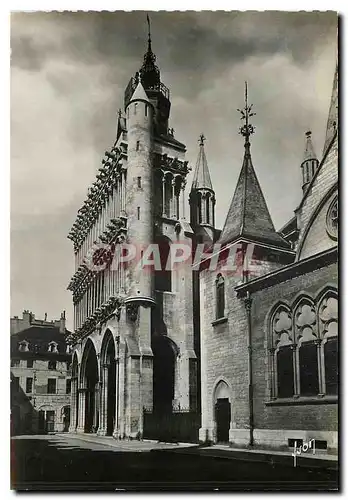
[40,375]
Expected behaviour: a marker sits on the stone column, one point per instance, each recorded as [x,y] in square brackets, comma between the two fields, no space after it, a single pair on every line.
[82,410]
[183,199]
[172,199]
[123,197]
[119,431]
[103,401]
[116,433]
[164,195]
[73,405]
[96,408]
[321,376]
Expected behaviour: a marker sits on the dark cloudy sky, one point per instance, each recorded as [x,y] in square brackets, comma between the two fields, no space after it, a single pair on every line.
[68,75]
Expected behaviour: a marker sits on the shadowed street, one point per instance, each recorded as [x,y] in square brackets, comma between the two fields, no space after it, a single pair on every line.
[70,464]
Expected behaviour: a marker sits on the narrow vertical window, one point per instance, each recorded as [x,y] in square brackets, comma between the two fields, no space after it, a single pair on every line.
[309,380]
[68,386]
[138,213]
[137,147]
[51,386]
[285,371]
[29,385]
[220,297]
[331,366]
[145,109]
[139,182]
[135,108]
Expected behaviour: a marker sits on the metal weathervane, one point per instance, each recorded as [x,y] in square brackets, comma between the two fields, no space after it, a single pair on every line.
[246,130]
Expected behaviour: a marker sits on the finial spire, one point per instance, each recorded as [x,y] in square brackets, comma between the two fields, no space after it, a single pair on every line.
[149,32]
[247,129]
[201,140]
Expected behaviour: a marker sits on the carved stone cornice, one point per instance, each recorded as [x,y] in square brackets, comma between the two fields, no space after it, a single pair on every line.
[97,196]
[98,318]
[173,165]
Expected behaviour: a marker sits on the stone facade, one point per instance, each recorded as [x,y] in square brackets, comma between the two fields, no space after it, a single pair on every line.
[134,338]
[40,375]
[152,342]
[254,370]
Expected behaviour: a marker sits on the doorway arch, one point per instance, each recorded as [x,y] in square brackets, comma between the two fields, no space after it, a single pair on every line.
[108,360]
[90,381]
[165,353]
[222,406]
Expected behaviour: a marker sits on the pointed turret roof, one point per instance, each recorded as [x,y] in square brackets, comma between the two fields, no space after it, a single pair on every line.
[309,153]
[139,94]
[248,216]
[332,121]
[201,178]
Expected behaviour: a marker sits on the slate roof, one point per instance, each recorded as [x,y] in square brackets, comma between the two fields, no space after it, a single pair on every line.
[39,336]
[309,153]
[248,215]
[201,178]
[332,121]
[139,94]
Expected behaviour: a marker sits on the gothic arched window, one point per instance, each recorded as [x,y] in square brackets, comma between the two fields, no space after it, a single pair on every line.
[282,352]
[307,339]
[328,326]
[207,217]
[220,296]
[303,347]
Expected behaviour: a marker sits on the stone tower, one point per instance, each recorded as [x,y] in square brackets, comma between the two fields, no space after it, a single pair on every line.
[310,162]
[202,198]
[134,341]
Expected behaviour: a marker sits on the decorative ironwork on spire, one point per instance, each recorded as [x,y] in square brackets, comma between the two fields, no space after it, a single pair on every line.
[201,140]
[247,129]
[149,33]
[149,72]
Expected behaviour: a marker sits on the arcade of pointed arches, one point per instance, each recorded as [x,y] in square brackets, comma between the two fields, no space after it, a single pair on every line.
[96,387]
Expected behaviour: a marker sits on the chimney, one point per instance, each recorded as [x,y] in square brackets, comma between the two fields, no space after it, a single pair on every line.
[45,316]
[26,318]
[62,323]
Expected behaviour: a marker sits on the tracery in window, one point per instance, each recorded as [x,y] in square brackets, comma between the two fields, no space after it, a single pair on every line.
[303,348]
[332,219]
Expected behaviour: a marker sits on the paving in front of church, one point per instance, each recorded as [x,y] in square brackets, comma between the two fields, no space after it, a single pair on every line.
[80,463]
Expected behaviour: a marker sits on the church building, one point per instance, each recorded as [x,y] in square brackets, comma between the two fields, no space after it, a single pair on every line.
[269,345]
[193,353]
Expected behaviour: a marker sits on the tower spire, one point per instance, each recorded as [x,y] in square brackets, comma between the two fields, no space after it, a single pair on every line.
[149,34]
[309,163]
[202,196]
[149,72]
[201,178]
[248,216]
